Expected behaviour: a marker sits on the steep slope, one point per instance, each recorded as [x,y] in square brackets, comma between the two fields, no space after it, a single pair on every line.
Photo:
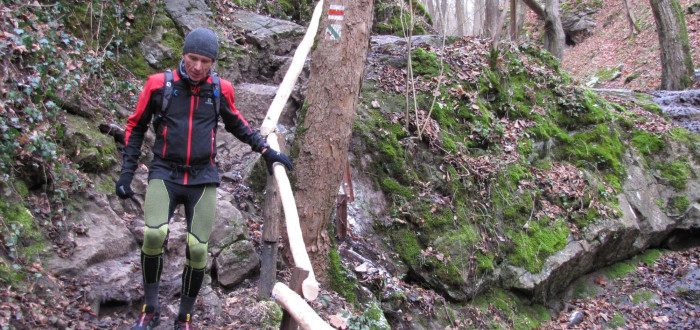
[610,46]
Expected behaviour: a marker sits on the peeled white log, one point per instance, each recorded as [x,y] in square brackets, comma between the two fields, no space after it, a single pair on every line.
[295,305]
[287,85]
[310,286]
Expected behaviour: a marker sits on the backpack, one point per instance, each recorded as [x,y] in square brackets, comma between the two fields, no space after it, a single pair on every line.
[168,94]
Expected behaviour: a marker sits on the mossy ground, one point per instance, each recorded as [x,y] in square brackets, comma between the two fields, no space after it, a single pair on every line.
[22,239]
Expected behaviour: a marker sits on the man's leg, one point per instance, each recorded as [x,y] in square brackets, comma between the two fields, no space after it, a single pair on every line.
[159,207]
[200,211]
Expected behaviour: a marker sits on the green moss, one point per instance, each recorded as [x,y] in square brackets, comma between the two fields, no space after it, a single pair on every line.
[484,261]
[87,146]
[20,188]
[425,63]
[530,316]
[533,245]
[340,279]
[642,296]
[519,312]
[257,178]
[683,135]
[600,148]
[606,74]
[390,186]
[617,321]
[677,173]
[391,17]
[22,240]
[584,289]
[515,173]
[613,181]
[619,270]
[631,77]
[652,107]
[372,318]
[272,317]
[646,142]
[679,204]
[649,257]
[407,245]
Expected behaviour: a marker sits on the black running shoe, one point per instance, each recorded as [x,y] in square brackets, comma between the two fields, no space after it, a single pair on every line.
[183,323]
[148,320]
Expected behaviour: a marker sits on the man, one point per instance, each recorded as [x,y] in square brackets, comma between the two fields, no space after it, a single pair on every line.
[183,170]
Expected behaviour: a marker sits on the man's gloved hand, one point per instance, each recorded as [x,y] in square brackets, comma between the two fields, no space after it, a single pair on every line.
[123,186]
[273,156]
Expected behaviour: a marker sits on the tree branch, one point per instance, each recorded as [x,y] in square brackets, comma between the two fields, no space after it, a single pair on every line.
[536,7]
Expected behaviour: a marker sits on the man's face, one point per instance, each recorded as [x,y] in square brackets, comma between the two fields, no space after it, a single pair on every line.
[197,66]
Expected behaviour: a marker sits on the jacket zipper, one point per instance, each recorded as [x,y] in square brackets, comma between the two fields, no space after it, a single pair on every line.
[194,103]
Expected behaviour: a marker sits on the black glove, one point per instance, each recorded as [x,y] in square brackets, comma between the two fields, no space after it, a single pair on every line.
[123,186]
[273,156]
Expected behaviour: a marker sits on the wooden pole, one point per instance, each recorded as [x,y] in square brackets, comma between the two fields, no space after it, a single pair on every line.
[298,308]
[310,287]
[272,213]
[273,114]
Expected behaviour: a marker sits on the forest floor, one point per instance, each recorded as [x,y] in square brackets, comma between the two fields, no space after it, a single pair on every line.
[610,46]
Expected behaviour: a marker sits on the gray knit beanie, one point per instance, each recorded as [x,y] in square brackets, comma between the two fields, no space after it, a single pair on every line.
[202,41]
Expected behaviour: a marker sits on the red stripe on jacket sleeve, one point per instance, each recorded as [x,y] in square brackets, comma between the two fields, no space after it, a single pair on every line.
[227,91]
[153,83]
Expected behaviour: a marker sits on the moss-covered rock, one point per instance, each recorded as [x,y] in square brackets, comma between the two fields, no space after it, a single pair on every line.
[93,151]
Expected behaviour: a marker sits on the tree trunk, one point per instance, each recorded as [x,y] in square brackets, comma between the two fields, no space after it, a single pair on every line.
[555,38]
[536,8]
[634,28]
[676,63]
[479,13]
[461,18]
[513,20]
[324,132]
[491,18]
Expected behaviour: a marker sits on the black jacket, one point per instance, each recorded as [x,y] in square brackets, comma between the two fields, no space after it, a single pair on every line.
[185,148]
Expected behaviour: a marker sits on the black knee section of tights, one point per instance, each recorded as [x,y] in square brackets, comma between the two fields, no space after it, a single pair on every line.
[192,281]
[152,267]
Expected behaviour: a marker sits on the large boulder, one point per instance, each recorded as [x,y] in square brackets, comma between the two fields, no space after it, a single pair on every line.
[578,25]
[275,36]
[189,14]
[236,262]
[643,224]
